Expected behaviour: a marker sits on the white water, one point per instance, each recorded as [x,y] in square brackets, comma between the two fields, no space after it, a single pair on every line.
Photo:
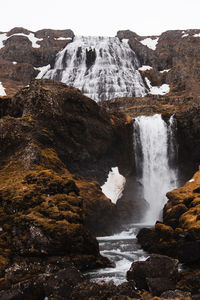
[154,148]
[122,249]
[101,67]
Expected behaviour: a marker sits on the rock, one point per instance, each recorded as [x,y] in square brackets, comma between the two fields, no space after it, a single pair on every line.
[159,240]
[18,49]
[101,290]
[48,209]
[176,295]
[189,281]
[159,285]
[58,285]
[147,274]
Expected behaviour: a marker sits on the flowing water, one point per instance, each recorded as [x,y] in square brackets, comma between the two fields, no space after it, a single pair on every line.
[122,249]
[101,67]
[155,156]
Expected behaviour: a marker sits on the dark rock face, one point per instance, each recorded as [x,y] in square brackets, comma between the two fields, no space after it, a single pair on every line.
[157,274]
[90,57]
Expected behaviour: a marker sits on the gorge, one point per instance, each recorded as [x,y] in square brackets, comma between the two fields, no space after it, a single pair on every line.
[58,146]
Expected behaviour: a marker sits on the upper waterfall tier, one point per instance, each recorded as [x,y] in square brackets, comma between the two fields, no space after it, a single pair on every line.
[101,67]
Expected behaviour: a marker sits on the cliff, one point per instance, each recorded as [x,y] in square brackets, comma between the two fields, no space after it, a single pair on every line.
[49,210]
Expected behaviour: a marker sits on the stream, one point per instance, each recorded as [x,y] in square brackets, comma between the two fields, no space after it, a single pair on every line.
[121,249]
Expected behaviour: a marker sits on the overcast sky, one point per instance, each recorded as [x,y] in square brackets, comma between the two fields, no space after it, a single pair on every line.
[101,17]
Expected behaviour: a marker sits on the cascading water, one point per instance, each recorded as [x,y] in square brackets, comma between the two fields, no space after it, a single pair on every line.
[101,67]
[154,153]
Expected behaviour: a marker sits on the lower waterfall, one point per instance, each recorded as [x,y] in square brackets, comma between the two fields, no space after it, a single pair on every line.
[154,156]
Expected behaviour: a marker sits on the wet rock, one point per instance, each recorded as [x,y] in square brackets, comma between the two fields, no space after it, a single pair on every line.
[159,285]
[147,275]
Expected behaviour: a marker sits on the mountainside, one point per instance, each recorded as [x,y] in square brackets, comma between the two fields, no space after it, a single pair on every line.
[168,63]
[23,53]
[58,147]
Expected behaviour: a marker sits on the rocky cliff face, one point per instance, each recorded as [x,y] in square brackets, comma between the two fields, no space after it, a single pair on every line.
[23,53]
[173,56]
[48,209]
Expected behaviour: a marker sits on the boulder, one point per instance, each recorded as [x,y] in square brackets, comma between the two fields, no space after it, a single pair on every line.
[148,274]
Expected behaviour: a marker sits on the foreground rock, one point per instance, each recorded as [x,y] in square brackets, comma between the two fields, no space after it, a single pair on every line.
[47,207]
[157,274]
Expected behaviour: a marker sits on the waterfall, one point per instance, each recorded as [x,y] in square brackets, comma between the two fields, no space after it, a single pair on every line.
[155,156]
[101,67]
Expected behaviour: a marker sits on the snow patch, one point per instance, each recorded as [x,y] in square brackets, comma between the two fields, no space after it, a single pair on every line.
[191,180]
[63,38]
[3,37]
[197,35]
[42,70]
[31,38]
[163,71]
[114,185]
[150,43]
[145,68]
[2,90]
[14,62]
[157,90]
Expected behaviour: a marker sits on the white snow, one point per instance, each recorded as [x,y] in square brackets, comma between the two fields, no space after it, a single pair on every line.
[150,43]
[191,180]
[2,90]
[63,38]
[30,36]
[114,185]
[3,37]
[14,62]
[145,68]
[157,90]
[197,35]
[163,71]
[42,70]
[185,35]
